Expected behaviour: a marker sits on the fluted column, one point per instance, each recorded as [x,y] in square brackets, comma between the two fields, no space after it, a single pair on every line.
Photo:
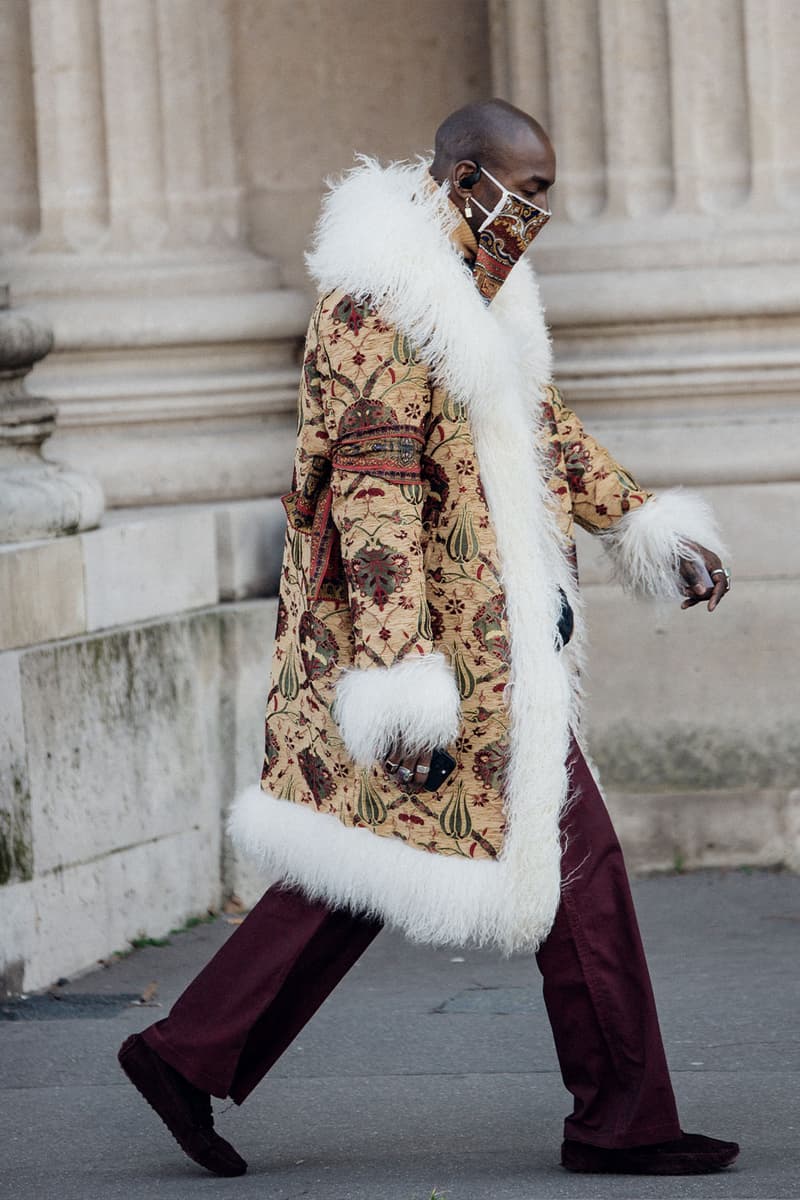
[19,202]
[660,108]
[70,139]
[672,271]
[174,363]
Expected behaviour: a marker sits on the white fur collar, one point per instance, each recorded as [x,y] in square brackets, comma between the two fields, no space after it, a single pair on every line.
[385,233]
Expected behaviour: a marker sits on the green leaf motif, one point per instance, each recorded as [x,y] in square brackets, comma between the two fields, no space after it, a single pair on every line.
[369,805]
[288,681]
[464,677]
[462,544]
[455,819]
[297,550]
[413,492]
[452,409]
[424,626]
[404,351]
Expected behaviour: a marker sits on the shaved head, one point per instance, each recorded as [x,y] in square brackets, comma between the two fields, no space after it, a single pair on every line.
[508,142]
[487,132]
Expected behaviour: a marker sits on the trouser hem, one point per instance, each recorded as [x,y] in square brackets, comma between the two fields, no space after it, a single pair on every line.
[644,1135]
[156,1041]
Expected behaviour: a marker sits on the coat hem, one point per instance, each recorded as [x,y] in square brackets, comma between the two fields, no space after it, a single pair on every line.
[438,899]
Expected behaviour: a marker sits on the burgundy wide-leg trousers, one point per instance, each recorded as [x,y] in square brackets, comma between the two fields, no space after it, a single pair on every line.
[255,995]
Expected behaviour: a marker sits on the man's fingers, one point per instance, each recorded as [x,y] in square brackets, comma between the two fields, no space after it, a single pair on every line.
[423,766]
[404,766]
[693,578]
[393,760]
[719,590]
[696,587]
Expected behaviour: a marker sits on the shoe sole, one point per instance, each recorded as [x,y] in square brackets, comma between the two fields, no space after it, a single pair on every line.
[692,1168]
[234,1169]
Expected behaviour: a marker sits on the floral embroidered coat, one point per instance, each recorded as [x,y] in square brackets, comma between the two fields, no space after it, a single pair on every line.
[437,479]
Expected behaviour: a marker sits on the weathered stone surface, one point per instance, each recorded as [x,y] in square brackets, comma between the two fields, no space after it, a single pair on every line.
[248,632]
[41,592]
[145,566]
[249,547]
[664,831]
[121,751]
[122,735]
[16,850]
[688,700]
[62,922]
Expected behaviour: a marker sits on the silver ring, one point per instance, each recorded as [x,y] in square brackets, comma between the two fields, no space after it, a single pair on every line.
[404,773]
[390,766]
[422,769]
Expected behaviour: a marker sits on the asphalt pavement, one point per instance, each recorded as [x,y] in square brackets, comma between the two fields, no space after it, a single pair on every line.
[425,1070]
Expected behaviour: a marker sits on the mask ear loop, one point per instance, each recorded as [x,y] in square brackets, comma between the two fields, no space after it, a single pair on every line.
[469,181]
[507,192]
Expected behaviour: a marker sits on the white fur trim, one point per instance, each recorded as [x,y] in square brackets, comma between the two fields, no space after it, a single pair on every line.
[416,699]
[646,544]
[384,234]
[435,898]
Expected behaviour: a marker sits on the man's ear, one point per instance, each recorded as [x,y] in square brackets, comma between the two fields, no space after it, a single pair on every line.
[464,176]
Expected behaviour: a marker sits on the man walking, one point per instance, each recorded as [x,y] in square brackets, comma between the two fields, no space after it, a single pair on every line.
[421,764]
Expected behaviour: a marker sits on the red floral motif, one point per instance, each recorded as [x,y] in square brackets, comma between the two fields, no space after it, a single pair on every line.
[578,459]
[351,313]
[378,573]
[318,647]
[316,774]
[281,620]
[488,627]
[490,763]
[437,623]
[438,490]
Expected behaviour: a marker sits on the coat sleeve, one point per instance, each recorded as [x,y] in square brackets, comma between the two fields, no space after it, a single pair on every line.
[645,533]
[376,405]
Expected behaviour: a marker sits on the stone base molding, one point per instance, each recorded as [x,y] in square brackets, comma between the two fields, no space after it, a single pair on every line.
[175,380]
[38,498]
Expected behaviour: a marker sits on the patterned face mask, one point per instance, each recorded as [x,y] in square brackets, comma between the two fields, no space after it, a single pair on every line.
[503,237]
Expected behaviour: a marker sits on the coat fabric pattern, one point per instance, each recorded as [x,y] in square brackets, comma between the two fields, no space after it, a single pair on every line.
[437,479]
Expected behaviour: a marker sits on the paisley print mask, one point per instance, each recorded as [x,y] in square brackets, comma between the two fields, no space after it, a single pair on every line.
[503,237]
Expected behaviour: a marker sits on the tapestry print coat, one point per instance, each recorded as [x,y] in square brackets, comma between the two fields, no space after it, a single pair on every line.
[437,479]
[390,552]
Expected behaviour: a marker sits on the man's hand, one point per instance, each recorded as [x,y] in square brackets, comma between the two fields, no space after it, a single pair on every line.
[696,587]
[405,767]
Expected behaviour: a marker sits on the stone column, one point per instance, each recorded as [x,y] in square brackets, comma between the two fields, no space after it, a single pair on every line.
[671,274]
[174,364]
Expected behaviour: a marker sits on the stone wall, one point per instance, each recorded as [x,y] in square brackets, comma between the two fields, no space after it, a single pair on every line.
[123,737]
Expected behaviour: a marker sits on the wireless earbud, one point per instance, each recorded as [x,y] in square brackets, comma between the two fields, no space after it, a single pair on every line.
[469,181]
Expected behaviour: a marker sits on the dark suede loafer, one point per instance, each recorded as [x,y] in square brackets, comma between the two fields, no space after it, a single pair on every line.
[690,1154]
[184,1109]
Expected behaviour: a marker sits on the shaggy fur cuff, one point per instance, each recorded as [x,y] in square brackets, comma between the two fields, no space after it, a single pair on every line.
[416,699]
[646,544]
